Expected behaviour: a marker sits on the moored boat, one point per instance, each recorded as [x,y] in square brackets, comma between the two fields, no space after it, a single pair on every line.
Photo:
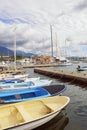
[31,114]
[84,68]
[65,64]
[12,76]
[24,85]
[18,80]
[31,93]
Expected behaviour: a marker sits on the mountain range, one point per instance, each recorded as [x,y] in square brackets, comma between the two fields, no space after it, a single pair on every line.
[5,52]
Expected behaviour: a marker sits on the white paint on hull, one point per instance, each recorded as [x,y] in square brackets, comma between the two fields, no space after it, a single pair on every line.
[35,124]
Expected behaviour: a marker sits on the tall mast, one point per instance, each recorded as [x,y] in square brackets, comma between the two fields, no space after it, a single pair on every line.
[15,48]
[56,46]
[51,40]
[65,48]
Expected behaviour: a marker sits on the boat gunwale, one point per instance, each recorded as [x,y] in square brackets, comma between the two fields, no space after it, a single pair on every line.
[47,115]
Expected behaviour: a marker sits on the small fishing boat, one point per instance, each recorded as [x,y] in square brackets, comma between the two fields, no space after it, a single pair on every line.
[31,93]
[24,85]
[84,68]
[21,75]
[18,80]
[31,114]
[11,76]
[65,64]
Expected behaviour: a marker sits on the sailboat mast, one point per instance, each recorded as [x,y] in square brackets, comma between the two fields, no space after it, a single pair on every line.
[51,40]
[56,46]
[15,49]
[65,48]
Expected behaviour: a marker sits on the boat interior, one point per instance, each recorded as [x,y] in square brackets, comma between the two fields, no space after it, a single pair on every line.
[16,115]
[25,112]
[23,95]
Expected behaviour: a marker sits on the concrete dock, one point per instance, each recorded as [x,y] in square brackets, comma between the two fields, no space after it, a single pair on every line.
[40,65]
[66,76]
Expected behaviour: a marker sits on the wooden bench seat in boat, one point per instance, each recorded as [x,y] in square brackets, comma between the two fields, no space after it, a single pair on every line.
[12,117]
[24,113]
[27,111]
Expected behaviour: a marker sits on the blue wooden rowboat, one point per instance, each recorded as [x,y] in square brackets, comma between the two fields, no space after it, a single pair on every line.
[32,93]
[11,81]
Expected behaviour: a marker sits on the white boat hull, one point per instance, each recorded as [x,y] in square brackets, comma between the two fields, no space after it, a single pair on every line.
[31,79]
[66,64]
[14,86]
[10,76]
[81,68]
[36,123]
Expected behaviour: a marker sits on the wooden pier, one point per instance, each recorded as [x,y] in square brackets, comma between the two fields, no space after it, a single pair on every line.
[66,76]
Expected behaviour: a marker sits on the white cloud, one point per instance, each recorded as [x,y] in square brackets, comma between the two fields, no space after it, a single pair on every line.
[33,18]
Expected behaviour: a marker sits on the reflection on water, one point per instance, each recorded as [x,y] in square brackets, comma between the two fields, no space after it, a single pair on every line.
[76,109]
[57,123]
[81,111]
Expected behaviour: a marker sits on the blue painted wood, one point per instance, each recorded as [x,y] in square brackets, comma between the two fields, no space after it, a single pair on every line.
[31,93]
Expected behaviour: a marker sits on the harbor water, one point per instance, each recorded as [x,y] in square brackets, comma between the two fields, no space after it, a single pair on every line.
[74,116]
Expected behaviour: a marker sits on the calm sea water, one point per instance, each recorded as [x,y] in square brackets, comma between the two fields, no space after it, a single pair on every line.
[74,117]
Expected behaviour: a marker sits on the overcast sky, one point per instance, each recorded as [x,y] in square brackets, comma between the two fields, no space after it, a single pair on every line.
[31,20]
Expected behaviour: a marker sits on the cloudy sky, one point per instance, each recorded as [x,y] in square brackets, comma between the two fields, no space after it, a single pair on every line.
[30,20]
